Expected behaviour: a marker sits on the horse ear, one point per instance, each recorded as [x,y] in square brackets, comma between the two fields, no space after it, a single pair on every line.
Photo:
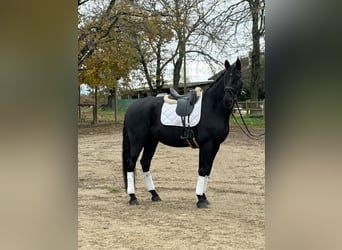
[226,64]
[238,64]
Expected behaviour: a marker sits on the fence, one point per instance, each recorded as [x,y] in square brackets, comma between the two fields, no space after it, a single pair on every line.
[107,115]
[251,108]
[104,115]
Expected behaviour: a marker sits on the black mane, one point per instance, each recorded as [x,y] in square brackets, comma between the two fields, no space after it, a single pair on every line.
[218,78]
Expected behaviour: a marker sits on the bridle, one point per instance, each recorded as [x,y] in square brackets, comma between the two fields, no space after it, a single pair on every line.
[229,89]
[232,91]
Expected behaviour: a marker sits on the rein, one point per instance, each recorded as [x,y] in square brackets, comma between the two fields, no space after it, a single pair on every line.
[247,131]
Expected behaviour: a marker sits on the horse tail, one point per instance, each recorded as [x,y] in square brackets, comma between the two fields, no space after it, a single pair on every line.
[125,154]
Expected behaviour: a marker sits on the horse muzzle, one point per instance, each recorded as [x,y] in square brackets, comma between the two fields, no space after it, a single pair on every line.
[229,103]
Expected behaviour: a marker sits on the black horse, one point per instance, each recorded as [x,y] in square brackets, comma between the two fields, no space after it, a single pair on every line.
[143,129]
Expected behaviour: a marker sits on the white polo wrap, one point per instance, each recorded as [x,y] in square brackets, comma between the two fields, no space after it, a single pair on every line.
[206,178]
[200,185]
[149,181]
[130,183]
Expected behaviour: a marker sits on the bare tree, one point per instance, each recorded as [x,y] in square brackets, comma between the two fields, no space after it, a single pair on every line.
[245,12]
[257,8]
[189,20]
[152,36]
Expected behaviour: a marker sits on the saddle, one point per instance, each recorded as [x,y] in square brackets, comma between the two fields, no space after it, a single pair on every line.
[185,105]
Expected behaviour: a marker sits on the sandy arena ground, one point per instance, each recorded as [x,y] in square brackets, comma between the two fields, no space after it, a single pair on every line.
[236,192]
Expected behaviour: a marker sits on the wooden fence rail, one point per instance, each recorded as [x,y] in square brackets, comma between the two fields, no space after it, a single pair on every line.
[251,108]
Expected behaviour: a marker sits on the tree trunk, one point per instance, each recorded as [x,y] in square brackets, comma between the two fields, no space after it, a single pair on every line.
[110,101]
[79,102]
[158,70]
[110,98]
[176,73]
[95,107]
[255,58]
[115,106]
[178,65]
[145,67]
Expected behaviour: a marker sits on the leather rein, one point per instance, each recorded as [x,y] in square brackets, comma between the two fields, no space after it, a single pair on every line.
[246,130]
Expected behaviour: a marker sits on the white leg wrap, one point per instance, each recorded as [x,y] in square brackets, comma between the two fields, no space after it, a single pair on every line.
[130,183]
[149,181]
[206,178]
[200,185]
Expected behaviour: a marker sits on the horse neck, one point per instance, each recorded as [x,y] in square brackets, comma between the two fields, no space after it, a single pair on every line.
[216,91]
[214,95]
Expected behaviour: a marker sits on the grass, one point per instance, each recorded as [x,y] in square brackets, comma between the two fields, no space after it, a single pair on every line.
[104,115]
[107,116]
[250,121]
[114,190]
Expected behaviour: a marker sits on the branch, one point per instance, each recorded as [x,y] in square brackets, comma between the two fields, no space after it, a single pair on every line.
[204,54]
[80,2]
[262,18]
[169,60]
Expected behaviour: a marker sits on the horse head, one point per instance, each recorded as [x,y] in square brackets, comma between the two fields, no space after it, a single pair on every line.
[232,83]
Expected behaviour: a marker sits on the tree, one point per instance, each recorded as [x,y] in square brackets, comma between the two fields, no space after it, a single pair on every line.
[160,32]
[257,8]
[105,55]
[246,11]
[188,20]
[151,35]
[97,27]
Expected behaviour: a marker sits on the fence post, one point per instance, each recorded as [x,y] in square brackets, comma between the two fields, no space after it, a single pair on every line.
[95,107]
[115,106]
[263,109]
[247,108]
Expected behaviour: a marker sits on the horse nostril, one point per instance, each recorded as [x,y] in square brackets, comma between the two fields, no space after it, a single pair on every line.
[228,103]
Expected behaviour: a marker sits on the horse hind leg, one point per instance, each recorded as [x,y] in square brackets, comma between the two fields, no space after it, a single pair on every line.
[149,150]
[131,188]
[131,151]
[131,181]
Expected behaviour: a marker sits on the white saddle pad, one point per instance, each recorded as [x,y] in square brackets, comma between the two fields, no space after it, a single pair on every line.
[170,118]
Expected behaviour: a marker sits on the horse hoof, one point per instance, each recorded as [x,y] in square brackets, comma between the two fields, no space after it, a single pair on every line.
[155,198]
[202,204]
[134,202]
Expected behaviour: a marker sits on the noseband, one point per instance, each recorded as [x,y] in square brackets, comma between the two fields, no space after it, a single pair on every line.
[232,91]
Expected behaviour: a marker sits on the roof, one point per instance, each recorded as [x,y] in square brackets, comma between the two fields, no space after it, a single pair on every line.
[217,75]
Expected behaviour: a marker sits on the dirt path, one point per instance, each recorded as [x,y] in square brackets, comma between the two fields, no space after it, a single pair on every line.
[236,191]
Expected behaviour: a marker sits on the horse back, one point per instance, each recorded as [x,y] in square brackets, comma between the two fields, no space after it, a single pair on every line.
[143,110]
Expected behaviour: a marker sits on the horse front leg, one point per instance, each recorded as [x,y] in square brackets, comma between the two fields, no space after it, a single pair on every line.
[206,158]
[150,186]
[149,150]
